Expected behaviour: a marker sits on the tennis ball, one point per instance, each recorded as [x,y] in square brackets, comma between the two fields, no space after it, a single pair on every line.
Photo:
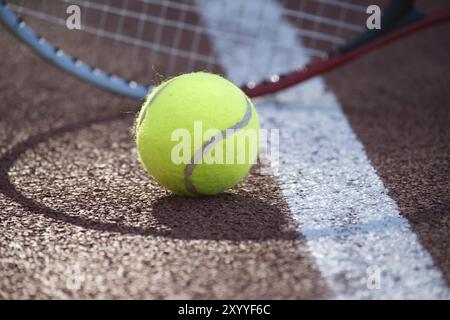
[197,134]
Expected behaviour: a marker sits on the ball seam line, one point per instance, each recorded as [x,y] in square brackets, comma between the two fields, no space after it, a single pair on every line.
[144,112]
[214,140]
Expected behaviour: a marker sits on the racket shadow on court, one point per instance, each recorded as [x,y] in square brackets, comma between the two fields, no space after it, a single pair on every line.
[228,216]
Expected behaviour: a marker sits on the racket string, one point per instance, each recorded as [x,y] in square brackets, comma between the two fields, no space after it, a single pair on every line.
[158,31]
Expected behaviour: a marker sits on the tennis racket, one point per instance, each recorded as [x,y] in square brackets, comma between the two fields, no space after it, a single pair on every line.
[128,46]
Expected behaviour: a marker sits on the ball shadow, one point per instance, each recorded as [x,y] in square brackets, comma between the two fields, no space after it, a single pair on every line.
[223,217]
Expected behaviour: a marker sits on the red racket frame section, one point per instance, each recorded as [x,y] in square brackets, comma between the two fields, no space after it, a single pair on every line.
[327,64]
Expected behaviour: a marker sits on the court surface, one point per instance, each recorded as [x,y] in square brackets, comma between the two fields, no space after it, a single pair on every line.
[363,190]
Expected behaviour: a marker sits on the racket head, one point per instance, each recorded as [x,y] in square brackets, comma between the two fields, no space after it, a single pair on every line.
[128,46]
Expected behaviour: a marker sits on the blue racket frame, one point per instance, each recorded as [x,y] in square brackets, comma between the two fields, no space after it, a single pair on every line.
[68,63]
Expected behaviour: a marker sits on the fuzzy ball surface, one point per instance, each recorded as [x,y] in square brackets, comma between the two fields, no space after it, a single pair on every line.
[197,134]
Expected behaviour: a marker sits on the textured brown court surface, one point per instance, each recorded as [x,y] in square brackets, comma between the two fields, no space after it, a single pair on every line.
[74,201]
[75,204]
[399,106]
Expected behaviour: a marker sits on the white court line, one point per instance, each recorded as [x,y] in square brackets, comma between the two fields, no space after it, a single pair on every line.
[341,205]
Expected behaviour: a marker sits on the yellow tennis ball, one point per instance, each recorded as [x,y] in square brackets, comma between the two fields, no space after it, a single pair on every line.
[197,134]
